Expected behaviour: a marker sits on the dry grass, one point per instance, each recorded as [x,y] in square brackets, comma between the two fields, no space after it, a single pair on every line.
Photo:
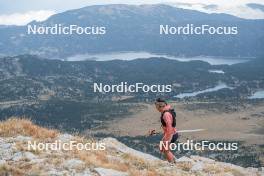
[185,166]
[138,163]
[99,159]
[92,159]
[14,126]
[144,173]
[214,169]
[7,169]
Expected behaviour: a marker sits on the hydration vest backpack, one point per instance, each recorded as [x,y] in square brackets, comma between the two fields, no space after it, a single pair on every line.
[173,114]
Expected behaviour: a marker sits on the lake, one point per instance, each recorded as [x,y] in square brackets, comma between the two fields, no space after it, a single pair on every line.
[213,89]
[216,71]
[258,94]
[145,55]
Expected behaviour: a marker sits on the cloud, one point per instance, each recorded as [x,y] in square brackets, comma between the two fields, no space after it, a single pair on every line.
[241,10]
[256,6]
[24,18]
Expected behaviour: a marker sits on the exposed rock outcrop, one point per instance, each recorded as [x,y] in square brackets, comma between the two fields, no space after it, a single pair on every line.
[116,160]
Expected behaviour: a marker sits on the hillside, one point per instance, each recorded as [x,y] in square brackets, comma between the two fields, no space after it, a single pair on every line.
[116,160]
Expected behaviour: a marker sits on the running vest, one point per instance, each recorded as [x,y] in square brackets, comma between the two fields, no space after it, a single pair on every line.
[173,114]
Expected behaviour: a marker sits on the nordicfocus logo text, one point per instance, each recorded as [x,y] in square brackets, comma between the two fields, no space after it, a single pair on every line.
[191,29]
[59,29]
[124,87]
[66,146]
[202,145]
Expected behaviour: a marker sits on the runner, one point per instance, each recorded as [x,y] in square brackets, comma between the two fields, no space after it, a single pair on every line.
[168,124]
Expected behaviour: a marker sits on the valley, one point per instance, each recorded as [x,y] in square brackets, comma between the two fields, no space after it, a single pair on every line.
[59,94]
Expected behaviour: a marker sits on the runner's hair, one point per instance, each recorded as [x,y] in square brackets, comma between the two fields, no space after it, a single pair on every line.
[160,102]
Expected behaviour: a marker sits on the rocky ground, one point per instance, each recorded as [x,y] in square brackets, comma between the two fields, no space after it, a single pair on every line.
[116,160]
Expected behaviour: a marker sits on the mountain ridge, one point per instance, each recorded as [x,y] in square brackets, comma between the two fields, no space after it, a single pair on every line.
[136,28]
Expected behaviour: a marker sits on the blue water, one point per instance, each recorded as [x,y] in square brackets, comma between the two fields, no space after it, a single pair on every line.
[213,89]
[145,55]
[216,71]
[258,94]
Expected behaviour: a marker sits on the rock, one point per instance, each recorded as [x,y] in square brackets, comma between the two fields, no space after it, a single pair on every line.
[23,138]
[203,159]
[228,174]
[6,154]
[65,138]
[54,172]
[6,150]
[261,171]
[86,172]
[238,169]
[113,159]
[115,144]
[109,172]
[74,164]
[30,156]
[37,161]
[27,155]
[197,167]
[252,169]
[184,159]
[5,146]
[2,162]
[17,156]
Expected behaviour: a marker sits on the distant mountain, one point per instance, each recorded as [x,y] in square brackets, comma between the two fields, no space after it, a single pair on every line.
[136,28]
[210,7]
[256,6]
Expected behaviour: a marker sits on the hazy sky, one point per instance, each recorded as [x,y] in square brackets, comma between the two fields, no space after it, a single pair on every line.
[23,11]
